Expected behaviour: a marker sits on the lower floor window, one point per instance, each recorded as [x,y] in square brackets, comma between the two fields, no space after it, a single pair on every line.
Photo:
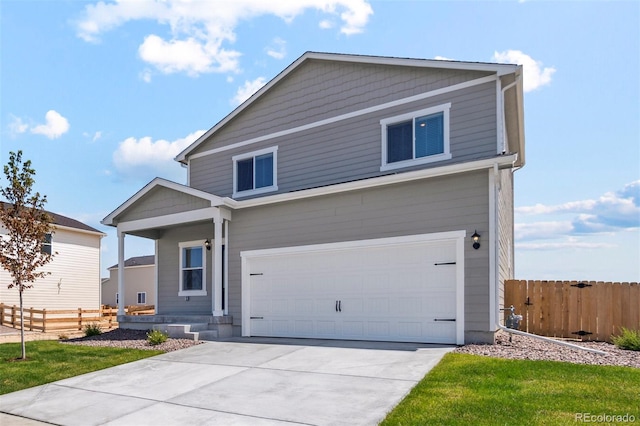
[142,298]
[192,268]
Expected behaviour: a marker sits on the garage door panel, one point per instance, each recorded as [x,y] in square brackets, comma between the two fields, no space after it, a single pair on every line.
[390,293]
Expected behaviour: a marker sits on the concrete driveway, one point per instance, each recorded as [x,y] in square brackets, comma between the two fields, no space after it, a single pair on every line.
[243,381]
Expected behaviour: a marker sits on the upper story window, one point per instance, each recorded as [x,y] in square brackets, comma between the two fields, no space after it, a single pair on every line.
[255,172]
[415,138]
[192,269]
[46,244]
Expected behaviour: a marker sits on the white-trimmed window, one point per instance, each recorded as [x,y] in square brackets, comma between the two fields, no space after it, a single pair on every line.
[418,137]
[142,298]
[193,270]
[255,172]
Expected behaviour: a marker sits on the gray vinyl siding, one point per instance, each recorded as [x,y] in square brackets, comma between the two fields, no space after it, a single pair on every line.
[351,149]
[457,202]
[505,232]
[319,89]
[169,272]
[162,201]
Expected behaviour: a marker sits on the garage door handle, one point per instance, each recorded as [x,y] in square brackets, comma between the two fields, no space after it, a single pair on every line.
[336,306]
[339,305]
[256,318]
[444,319]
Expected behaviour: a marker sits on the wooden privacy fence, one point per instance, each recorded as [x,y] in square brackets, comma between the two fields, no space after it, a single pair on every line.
[586,310]
[66,319]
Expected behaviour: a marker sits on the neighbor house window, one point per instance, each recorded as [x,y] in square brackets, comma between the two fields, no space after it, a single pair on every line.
[142,298]
[255,172]
[192,269]
[117,298]
[46,244]
[415,138]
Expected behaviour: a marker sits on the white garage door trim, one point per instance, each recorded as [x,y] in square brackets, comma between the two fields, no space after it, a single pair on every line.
[457,236]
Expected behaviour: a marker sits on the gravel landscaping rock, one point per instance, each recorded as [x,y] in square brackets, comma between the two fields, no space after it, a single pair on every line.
[130,339]
[518,347]
[524,347]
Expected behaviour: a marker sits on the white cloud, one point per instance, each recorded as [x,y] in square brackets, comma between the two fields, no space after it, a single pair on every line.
[17,126]
[145,158]
[442,58]
[325,24]
[201,30]
[277,49]
[534,74]
[56,125]
[245,91]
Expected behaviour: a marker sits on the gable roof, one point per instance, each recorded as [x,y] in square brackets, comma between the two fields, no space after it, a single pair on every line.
[137,261]
[164,183]
[64,221]
[499,69]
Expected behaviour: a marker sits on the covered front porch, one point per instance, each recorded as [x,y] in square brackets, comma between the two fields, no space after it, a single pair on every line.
[190,230]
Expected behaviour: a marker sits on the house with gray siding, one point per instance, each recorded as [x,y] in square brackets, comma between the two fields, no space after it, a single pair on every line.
[341,201]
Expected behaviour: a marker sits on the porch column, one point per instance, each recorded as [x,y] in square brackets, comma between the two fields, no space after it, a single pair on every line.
[120,272]
[217,266]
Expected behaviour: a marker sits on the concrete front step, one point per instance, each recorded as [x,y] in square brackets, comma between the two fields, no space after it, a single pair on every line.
[195,332]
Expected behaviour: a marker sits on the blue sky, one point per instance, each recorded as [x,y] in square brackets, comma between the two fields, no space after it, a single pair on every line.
[101,96]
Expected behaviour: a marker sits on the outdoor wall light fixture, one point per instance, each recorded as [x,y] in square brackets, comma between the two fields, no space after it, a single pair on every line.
[207,244]
[476,240]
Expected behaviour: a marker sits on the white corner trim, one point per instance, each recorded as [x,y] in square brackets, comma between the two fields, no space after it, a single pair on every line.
[493,257]
[347,116]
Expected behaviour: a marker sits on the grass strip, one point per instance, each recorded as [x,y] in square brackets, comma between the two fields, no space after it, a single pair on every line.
[50,360]
[474,390]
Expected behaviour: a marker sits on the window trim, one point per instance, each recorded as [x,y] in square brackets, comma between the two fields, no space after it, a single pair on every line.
[191,244]
[253,154]
[138,302]
[445,155]
[47,244]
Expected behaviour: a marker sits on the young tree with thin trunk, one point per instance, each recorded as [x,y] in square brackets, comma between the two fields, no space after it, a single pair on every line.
[27,225]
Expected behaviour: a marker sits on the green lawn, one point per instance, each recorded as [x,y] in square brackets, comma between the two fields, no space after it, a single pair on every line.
[48,361]
[474,390]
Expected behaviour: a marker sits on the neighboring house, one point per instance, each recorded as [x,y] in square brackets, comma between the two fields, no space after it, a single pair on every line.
[340,202]
[74,281]
[140,276]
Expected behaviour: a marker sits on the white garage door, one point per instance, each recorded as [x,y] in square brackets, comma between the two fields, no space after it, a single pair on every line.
[404,289]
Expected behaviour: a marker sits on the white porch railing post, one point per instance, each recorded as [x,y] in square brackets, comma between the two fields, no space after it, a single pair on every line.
[120,272]
[217,266]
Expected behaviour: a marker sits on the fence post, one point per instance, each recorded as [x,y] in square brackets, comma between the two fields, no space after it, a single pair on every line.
[1,313]
[31,318]
[13,316]
[79,318]
[44,320]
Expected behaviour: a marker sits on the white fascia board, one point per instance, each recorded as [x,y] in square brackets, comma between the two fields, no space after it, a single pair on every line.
[213,199]
[501,161]
[498,69]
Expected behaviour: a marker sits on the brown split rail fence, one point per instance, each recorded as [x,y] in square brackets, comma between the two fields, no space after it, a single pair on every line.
[66,319]
[586,310]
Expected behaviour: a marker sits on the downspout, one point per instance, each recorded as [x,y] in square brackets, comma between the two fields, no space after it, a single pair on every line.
[504,115]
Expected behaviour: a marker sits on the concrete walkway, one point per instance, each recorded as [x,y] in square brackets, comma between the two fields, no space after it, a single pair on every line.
[255,381]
